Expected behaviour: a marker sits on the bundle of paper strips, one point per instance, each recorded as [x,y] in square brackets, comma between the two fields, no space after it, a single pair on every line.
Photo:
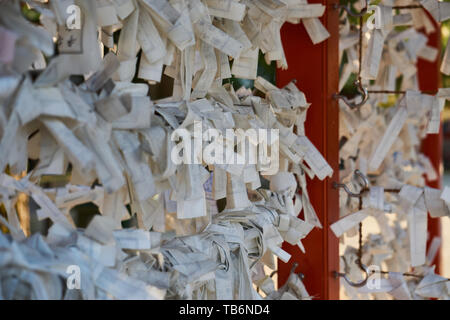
[75,104]
[382,140]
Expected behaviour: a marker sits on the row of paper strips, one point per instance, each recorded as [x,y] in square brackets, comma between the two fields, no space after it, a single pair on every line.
[384,144]
[118,144]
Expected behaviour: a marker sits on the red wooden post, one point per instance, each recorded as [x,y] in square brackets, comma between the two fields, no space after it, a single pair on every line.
[316,68]
[430,80]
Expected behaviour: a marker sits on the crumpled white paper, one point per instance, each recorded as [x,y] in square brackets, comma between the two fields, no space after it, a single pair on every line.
[76,102]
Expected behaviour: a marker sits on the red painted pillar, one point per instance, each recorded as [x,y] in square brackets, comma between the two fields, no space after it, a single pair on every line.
[430,80]
[316,68]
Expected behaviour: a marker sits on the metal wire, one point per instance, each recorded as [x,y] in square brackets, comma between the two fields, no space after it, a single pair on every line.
[360,47]
[360,241]
[406,274]
[398,91]
[349,11]
[418,6]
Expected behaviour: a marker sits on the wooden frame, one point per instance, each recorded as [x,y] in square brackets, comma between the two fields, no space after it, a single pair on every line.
[430,80]
[316,69]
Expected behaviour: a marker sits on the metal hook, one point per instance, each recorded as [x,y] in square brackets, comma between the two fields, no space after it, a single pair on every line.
[363,91]
[294,266]
[364,185]
[349,11]
[363,178]
[359,284]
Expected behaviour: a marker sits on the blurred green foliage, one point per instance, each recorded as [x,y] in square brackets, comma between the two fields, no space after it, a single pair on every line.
[30,14]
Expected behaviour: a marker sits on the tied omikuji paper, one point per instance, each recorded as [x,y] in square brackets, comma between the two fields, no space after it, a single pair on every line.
[78,127]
